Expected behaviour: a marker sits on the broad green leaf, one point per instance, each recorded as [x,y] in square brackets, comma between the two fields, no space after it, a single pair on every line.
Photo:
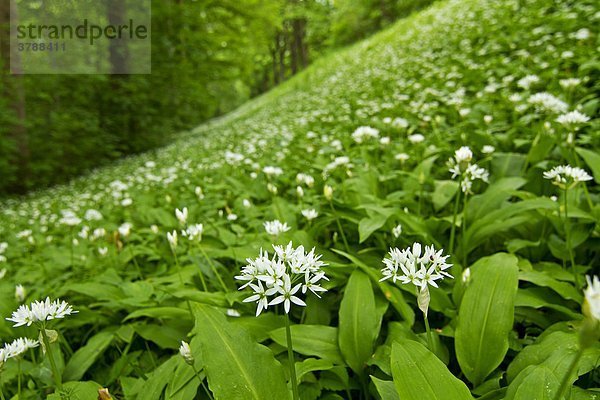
[368,225]
[358,321]
[534,382]
[418,374]
[311,365]
[85,356]
[542,278]
[485,318]
[156,382]
[236,366]
[312,340]
[77,391]
[166,336]
[444,192]
[555,351]
[160,313]
[592,159]
[386,389]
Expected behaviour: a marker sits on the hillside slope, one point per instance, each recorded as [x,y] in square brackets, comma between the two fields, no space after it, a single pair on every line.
[375,124]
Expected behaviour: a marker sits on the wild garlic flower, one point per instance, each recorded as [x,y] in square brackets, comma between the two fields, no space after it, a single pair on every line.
[181,215]
[193,232]
[402,157]
[276,227]
[546,102]
[416,138]
[527,81]
[310,214]
[328,192]
[592,297]
[411,265]
[363,133]
[69,218]
[172,239]
[19,293]
[397,231]
[18,347]
[488,149]
[460,165]
[569,83]
[125,229]
[41,311]
[572,119]
[566,177]
[186,352]
[306,179]
[289,272]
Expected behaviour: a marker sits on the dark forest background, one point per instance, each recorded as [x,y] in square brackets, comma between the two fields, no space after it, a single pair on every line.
[208,57]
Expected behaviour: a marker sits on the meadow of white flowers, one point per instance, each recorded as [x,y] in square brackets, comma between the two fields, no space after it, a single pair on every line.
[416,217]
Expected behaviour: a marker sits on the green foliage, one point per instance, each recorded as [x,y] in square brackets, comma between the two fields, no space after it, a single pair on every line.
[485,317]
[419,374]
[512,322]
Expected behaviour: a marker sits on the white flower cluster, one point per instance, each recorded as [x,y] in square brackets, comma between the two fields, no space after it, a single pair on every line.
[527,81]
[16,348]
[276,227]
[310,214]
[363,133]
[460,165]
[592,296]
[289,270]
[193,232]
[565,176]
[306,179]
[548,103]
[41,311]
[411,265]
[572,119]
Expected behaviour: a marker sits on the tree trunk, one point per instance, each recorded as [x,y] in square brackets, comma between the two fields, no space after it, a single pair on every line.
[118,51]
[14,90]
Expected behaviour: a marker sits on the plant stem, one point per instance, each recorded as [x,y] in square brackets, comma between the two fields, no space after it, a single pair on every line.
[19,378]
[339,225]
[1,392]
[202,382]
[430,342]
[55,374]
[214,269]
[568,238]
[453,230]
[564,384]
[294,380]
[464,231]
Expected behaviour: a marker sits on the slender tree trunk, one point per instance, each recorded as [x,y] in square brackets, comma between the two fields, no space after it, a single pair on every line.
[118,51]
[282,50]
[14,90]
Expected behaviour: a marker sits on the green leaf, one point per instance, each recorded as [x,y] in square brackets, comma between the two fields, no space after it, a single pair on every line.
[160,312]
[418,374]
[555,351]
[311,365]
[543,278]
[165,336]
[368,225]
[386,389]
[85,356]
[359,323]
[444,192]
[485,318]
[77,391]
[236,366]
[312,340]
[592,159]
[535,382]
